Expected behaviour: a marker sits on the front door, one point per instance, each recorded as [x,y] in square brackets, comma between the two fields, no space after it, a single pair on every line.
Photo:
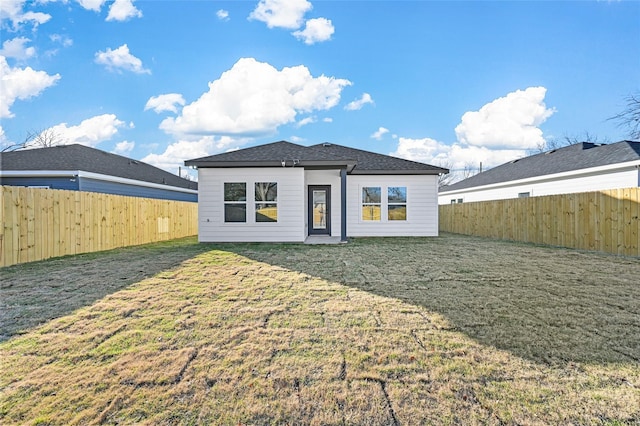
[319,209]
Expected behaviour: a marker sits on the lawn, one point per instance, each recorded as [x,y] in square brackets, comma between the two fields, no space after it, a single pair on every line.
[448,330]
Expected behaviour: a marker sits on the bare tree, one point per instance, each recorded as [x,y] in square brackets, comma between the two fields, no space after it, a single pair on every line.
[446,179]
[469,170]
[630,116]
[567,140]
[37,139]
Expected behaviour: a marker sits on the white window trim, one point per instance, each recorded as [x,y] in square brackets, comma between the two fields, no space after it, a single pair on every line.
[277,202]
[250,203]
[225,202]
[384,204]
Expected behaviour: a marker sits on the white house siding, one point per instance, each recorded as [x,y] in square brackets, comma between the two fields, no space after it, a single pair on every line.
[291,207]
[325,177]
[583,182]
[422,206]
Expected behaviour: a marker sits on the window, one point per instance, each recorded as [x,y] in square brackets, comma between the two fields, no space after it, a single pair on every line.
[266,197]
[397,202]
[459,200]
[371,203]
[523,195]
[235,202]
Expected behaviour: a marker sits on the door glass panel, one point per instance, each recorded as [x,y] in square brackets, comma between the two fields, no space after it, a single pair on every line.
[320,209]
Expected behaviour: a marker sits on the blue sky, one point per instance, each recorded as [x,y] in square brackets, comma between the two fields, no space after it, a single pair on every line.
[447,83]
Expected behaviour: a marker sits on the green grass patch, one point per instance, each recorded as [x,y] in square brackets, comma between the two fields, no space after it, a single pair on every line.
[448,330]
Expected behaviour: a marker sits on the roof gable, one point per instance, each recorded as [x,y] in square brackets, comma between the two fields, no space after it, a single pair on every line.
[83,158]
[580,156]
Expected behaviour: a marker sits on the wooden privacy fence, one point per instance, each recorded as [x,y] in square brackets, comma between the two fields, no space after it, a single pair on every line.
[603,221]
[43,223]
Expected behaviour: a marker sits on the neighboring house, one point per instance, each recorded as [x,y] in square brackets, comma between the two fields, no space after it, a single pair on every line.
[81,168]
[283,192]
[581,167]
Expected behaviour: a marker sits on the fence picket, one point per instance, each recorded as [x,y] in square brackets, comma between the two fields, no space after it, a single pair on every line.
[43,223]
[607,221]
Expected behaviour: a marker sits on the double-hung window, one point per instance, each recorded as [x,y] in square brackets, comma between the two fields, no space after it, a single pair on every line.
[371,203]
[397,203]
[235,202]
[266,197]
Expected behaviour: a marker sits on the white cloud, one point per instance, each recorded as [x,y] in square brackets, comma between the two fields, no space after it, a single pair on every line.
[21,83]
[12,10]
[501,131]
[379,133]
[327,120]
[223,15]
[431,151]
[90,132]
[305,121]
[359,103]
[167,102]
[254,98]
[94,5]
[456,157]
[64,40]
[281,13]
[120,59]
[509,122]
[4,141]
[122,10]
[15,48]
[176,153]
[315,30]
[124,147]
[296,139]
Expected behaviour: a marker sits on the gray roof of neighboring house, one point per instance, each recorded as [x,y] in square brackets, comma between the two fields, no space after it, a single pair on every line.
[583,155]
[83,158]
[321,155]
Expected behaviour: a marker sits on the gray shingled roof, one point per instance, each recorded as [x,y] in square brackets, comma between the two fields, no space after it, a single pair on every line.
[574,157]
[373,163]
[79,157]
[357,161]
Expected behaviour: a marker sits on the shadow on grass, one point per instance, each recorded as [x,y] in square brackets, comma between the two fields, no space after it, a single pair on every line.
[33,293]
[548,305]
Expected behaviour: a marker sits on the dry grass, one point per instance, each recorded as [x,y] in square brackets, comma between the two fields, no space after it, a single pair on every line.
[449,330]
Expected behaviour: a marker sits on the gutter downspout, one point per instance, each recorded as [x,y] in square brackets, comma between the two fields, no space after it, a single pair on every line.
[343,205]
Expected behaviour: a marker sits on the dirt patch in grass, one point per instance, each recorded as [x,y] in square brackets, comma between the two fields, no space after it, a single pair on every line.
[449,330]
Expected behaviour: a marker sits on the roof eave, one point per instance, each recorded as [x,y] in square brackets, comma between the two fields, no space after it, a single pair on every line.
[397,172]
[349,164]
[541,178]
[96,176]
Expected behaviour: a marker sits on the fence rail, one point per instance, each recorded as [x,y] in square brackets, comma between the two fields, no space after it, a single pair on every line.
[604,221]
[43,223]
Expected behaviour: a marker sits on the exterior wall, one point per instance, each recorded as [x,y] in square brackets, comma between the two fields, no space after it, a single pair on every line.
[422,206]
[67,183]
[291,206]
[586,182]
[95,185]
[325,177]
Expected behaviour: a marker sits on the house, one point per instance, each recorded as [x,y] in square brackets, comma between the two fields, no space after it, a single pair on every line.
[581,167]
[284,192]
[81,168]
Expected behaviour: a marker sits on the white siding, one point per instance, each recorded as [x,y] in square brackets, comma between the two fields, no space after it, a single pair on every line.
[584,182]
[325,177]
[291,207]
[422,206]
